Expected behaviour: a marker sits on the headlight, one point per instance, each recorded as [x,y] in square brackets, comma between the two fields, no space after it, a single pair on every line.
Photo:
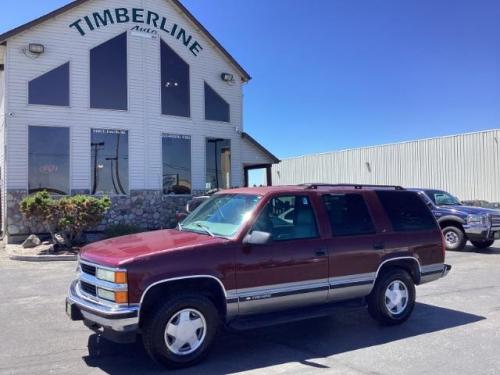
[117,277]
[117,296]
[478,220]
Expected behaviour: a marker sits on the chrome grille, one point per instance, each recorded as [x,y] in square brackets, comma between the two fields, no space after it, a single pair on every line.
[88,288]
[88,269]
[495,221]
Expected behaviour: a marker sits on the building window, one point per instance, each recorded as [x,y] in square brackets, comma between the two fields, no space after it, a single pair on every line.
[348,214]
[218,163]
[109,161]
[175,93]
[216,108]
[48,161]
[108,74]
[176,164]
[51,88]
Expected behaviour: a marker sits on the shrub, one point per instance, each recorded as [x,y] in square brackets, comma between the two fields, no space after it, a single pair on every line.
[70,216]
[118,230]
[41,209]
[80,213]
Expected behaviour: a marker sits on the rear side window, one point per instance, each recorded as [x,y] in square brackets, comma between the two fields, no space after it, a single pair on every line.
[406,211]
[348,214]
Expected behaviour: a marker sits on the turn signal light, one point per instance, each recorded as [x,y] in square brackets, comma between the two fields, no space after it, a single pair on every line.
[121,297]
[120,277]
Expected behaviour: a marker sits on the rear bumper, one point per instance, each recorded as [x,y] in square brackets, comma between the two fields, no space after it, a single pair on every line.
[118,324]
[433,272]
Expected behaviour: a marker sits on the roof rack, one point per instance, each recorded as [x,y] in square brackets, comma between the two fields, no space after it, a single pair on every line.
[355,186]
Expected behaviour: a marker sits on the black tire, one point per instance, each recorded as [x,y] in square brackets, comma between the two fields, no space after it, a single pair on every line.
[483,244]
[456,239]
[377,306]
[155,325]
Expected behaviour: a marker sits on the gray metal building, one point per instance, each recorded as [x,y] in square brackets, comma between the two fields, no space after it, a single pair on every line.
[466,165]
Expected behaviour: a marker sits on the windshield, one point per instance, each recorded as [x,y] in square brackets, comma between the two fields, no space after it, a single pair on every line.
[222,215]
[441,198]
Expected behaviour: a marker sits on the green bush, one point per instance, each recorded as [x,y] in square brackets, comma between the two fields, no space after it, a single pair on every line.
[118,230]
[69,216]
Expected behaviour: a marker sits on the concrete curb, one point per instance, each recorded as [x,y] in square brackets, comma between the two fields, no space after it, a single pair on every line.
[39,258]
[43,258]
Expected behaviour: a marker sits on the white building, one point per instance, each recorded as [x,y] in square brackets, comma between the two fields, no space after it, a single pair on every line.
[466,165]
[133,99]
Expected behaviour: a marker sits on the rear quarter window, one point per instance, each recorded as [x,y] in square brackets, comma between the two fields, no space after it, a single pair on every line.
[407,211]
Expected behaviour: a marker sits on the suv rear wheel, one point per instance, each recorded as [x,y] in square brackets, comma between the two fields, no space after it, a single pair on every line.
[180,332]
[454,238]
[483,244]
[392,299]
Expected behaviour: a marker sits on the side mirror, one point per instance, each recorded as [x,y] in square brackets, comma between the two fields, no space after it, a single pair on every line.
[257,238]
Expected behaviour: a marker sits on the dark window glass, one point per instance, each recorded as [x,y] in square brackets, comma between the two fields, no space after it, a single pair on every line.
[348,214]
[176,164]
[442,198]
[218,163]
[48,164]
[109,161]
[407,211]
[216,108]
[175,97]
[51,88]
[288,218]
[108,74]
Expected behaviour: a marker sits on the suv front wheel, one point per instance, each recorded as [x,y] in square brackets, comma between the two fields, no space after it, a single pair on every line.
[392,299]
[180,332]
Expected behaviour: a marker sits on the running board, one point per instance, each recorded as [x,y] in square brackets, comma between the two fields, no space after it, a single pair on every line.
[247,322]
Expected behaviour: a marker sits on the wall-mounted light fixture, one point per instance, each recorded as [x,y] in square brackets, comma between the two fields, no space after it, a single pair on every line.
[368,166]
[227,77]
[36,48]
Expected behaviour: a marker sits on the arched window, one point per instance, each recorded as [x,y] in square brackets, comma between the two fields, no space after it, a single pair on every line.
[51,88]
[175,90]
[216,108]
[108,74]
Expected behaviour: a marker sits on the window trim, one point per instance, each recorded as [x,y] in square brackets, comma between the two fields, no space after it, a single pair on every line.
[163,133]
[368,208]
[90,162]
[204,101]
[51,106]
[190,117]
[295,195]
[89,106]
[70,150]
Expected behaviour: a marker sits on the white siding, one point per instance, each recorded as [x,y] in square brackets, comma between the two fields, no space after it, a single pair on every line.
[466,165]
[143,119]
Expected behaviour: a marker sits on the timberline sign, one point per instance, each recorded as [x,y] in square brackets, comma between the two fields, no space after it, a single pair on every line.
[139,16]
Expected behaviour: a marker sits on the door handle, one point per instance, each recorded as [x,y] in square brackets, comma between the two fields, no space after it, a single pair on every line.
[320,253]
[378,246]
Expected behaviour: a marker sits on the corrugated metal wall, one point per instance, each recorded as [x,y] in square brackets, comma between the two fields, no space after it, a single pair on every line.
[466,165]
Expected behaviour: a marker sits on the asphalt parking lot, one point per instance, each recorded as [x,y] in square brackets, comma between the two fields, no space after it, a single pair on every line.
[455,329]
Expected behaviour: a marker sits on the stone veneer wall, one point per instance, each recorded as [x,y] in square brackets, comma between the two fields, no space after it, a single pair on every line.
[147,209]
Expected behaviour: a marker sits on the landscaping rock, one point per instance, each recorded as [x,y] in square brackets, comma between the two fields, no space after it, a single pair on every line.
[31,242]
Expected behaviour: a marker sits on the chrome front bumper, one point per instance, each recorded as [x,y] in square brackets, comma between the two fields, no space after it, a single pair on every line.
[117,319]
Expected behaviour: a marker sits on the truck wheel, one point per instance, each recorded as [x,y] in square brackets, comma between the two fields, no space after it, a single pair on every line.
[454,238]
[180,332]
[483,244]
[392,299]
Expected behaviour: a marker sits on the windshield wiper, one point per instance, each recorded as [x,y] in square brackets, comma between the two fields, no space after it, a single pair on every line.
[206,229]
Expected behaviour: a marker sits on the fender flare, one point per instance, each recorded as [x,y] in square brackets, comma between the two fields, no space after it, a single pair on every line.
[457,219]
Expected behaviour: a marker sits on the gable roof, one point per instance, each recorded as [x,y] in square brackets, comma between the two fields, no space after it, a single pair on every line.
[9,34]
[252,141]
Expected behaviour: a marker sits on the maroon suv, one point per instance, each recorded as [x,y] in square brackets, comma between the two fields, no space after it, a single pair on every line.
[257,256]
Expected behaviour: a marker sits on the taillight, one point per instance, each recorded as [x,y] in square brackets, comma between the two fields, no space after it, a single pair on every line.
[443,244]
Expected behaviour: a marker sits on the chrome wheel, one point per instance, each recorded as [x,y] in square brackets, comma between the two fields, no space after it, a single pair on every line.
[451,238]
[396,297]
[185,331]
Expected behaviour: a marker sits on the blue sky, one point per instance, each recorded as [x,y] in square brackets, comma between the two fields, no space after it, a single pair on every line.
[336,74]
